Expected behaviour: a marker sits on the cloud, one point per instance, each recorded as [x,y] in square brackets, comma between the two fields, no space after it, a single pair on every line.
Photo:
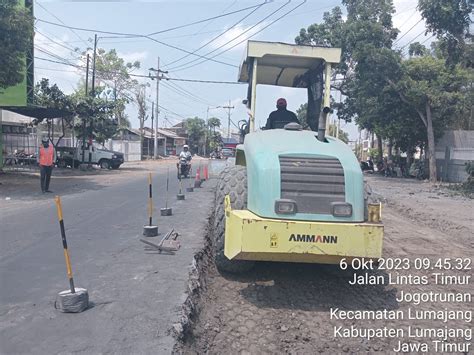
[235,35]
[133,56]
[56,49]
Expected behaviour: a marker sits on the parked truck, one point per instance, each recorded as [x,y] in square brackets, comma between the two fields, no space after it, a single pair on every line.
[73,156]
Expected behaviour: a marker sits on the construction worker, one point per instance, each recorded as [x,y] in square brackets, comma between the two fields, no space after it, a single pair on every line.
[46,158]
[280,117]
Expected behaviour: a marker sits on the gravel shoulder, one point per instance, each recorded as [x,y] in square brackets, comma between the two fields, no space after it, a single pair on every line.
[286,308]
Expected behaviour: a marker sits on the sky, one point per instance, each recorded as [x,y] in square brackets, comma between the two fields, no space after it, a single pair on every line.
[219,37]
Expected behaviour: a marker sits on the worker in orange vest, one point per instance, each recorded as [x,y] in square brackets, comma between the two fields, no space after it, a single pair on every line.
[46,162]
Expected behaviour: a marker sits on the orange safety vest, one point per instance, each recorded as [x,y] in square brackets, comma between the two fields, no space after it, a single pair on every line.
[46,156]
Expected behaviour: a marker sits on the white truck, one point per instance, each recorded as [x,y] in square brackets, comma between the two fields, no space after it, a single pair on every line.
[106,159]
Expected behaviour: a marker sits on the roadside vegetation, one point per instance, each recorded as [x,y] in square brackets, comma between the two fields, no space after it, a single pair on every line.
[406,95]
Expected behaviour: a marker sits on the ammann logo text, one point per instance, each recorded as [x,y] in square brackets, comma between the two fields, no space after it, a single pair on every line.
[313,238]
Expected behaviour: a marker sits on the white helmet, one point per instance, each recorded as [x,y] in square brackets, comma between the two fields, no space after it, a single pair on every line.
[185,146]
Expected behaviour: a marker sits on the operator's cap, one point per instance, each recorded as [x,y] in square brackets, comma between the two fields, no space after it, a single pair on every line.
[44,139]
[281,102]
[185,146]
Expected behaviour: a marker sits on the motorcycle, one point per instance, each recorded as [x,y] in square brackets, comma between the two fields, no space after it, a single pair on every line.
[417,170]
[184,167]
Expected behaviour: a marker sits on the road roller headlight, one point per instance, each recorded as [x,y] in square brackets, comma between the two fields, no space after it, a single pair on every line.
[341,209]
[284,206]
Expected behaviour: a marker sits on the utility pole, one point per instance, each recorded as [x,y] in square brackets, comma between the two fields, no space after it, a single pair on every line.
[91,126]
[83,118]
[152,119]
[158,76]
[228,118]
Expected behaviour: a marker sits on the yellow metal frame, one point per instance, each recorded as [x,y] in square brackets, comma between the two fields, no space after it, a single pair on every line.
[250,237]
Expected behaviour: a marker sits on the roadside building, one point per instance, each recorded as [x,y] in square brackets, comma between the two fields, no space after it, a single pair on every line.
[453,150]
[230,142]
[180,130]
[128,143]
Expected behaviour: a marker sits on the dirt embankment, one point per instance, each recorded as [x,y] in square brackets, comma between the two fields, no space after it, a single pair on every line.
[286,308]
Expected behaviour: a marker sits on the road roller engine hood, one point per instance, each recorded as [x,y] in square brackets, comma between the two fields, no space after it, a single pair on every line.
[292,175]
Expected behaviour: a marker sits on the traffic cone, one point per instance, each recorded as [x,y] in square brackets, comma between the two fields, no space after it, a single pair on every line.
[197,182]
[206,173]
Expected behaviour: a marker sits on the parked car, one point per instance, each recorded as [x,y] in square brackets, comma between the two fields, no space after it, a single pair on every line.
[106,159]
[228,152]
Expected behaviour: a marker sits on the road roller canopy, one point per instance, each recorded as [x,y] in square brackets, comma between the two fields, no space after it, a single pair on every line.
[284,64]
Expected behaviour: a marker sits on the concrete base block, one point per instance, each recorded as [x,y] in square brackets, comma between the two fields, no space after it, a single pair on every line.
[189,189]
[180,196]
[77,302]
[166,211]
[150,231]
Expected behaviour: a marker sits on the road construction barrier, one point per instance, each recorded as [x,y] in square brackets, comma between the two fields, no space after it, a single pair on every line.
[190,188]
[206,171]
[75,299]
[197,181]
[150,230]
[180,195]
[167,211]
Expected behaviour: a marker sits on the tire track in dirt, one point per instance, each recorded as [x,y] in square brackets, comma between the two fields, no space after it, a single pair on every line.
[285,308]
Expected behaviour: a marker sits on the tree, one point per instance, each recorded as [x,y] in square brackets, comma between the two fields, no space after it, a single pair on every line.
[78,109]
[98,111]
[367,32]
[416,49]
[213,123]
[343,136]
[140,100]
[434,92]
[196,128]
[213,138]
[113,73]
[51,96]
[16,35]
[449,20]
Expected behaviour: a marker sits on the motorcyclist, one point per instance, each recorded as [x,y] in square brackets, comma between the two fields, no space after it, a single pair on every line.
[185,154]
[184,165]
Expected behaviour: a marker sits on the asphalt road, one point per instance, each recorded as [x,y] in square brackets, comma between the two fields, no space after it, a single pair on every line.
[135,295]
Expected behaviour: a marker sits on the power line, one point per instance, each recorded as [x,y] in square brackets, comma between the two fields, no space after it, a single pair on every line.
[190,94]
[141,35]
[413,39]
[183,94]
[408,19]
[146,76]
[405,10]
[148,37]
[53,55]
[426,40]
[412,27]
[207,81]
[233,39]
[53,41]
[257,32]
[57,18]
[208,19]
[188,52]
[221,34]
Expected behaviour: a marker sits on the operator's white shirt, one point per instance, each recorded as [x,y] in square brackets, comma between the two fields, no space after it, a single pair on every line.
[184,154]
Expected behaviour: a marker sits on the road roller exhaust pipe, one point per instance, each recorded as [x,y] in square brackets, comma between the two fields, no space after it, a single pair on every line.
[322,124]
